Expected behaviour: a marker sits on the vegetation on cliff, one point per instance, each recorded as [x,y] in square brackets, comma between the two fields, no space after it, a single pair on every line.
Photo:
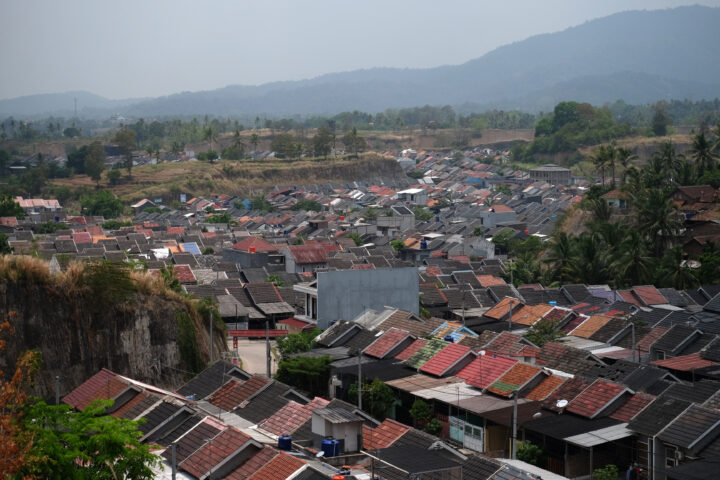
[97,315]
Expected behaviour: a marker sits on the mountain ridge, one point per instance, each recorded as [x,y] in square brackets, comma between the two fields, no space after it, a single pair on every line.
[648,55]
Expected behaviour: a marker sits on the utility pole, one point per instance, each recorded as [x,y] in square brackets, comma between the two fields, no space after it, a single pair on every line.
[173,460]
[359,381]
[210,316]
[632,329]
[57,390]
[510,324]
[267,347]
[514,432]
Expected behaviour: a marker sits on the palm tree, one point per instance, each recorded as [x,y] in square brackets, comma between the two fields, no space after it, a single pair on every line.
[600,159]
[633,265]
[670,160]
[209,135]
[702,152]
[589,262]
[657,218]
[254,140]
[676,273]
[625,157]
[559,256]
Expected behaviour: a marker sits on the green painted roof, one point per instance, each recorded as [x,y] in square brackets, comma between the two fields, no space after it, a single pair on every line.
[504,387]
[428,351]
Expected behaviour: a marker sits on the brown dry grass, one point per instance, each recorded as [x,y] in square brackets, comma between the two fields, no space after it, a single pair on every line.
[245,177]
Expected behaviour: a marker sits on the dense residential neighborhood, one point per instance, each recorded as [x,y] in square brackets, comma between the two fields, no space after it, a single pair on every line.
[410,294]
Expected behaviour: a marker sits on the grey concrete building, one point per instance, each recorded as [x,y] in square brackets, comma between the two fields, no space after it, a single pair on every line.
[345,294]
[551,173]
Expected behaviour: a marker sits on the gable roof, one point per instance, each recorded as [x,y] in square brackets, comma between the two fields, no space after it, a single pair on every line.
[411,349]
[291,417]
[304,254]
[634,404]
[429,350]
[214,452]
[235,392]
[596,398]
[512,380]
[103,384]
[387,342]
[445,359]
[255,243]
[383,435]
[543,389]
[693,429]
[280,467]
[485,369]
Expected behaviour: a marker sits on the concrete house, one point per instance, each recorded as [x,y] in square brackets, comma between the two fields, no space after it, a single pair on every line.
[345,294]
[305,258]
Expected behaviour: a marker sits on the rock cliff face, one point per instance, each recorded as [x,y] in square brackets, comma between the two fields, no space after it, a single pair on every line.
[79,330]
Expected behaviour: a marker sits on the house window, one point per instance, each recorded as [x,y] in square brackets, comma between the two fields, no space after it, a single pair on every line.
[670,457]
[660,355]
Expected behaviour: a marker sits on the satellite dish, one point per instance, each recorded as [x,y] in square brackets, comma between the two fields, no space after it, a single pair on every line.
[482,352]
[320,454]
[561,403]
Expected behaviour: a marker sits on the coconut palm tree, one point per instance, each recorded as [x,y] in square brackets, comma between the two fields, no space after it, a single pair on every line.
[632,265]
[670,160]
[625,158]
[559,256]
[657,218]
[702,153]
[675,271]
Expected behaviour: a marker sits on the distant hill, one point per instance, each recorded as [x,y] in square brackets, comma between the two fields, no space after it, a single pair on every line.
[639,56]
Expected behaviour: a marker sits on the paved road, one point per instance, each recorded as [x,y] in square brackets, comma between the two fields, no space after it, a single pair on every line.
[252,353]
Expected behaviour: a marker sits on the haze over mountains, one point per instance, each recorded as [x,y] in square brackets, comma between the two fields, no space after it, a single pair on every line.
[639,57]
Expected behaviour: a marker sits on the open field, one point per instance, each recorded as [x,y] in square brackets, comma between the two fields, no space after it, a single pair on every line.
[246,177]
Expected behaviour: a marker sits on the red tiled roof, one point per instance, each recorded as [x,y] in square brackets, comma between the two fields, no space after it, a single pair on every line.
[503,307]
[215,451]
[557,314]
[260,245]
[309,253]
[631,408]
[82,237]
[102,385]
[291,416]
[433,270]
[253,464]
[503,342]
[643,345]
[294,322]
[529,314]
[384,435]
[490,280]
[595,398]
[518,375]
[279,468]
[411,349]
[9,221]
[445,359]
[572,324]
[485,369]
[386,342]
[628,296]
[567,391]
[590,326]
[363,266]
[545,388]
[184,273]
[234,392]
[176,230]
[649,295]
[685,363]
[257,333]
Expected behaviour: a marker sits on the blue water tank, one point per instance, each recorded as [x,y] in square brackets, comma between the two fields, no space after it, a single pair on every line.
[423,245]
[328,447]
[285,443]
[336,447]
[553,303]
[449,339]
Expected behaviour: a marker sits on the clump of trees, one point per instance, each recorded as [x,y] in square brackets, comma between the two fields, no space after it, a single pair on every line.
[644,245]
[571,125]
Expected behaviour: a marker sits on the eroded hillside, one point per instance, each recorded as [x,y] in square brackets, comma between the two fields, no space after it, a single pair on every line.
[87,318]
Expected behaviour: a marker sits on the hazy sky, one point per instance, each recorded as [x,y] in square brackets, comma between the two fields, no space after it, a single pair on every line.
[136,48]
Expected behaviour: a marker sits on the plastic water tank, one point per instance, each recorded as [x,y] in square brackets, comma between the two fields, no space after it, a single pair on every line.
[336,447]
[285,443]
[449,339]
[328,447]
